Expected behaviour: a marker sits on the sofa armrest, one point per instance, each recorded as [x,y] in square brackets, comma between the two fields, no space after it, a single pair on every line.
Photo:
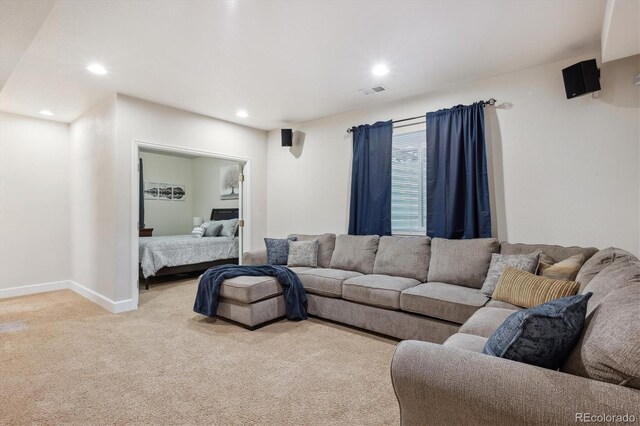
[439,385]
[255,257]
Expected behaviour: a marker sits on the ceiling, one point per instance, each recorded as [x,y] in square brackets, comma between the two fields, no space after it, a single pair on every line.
[283,61]
[621,30]
[19,24]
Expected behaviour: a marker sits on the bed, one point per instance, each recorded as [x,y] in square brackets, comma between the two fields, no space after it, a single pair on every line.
[178,254]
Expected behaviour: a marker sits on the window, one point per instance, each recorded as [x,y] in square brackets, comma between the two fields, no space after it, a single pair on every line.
[409,183]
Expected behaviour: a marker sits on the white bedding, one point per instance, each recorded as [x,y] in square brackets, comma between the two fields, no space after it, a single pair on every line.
[175,250]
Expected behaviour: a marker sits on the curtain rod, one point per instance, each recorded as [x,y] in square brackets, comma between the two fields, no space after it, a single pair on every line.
[491,101]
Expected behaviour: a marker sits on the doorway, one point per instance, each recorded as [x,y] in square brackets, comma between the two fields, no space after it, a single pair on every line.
[183,189]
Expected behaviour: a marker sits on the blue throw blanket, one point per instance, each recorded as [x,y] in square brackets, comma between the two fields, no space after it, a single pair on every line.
[295,298]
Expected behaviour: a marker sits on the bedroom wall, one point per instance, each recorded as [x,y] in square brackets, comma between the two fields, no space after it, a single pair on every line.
[34,194]
[564,171]
[206,184]
[93,200]
[164,216]
[151,122]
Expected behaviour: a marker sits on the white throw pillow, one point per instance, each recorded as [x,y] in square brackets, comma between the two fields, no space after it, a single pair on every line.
[198,232]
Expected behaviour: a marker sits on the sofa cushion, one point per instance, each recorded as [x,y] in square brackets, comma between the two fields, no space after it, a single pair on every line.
[355,253]
[541,336]
[499,262]
[619,274]
[504,305]
[325,282]
[599,261]
[299,269]
[249,289]
[524,289]
[467,342]
[485,321]
[440,300]
[609,348]
[403,257]
[377,290]
[326,245]
[461,262]
[558,253]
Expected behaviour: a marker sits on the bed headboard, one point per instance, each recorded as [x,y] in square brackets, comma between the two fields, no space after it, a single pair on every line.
[224,214]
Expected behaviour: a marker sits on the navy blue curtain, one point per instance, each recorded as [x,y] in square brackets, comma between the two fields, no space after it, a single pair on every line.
[141,195]
[370,212]
[457,183]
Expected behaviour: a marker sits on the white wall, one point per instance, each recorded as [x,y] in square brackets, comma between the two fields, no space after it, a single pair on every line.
[206,186]
[201,176]
[564,171]
[150,122]
[93,200]
[34,201]
[164,216]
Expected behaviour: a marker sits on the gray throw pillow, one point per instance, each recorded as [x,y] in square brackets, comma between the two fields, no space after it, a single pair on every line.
[198,232]
[303,253]
[500,262]
[326,245]
[229,228]
[543,335]
[277,250]
[212,229]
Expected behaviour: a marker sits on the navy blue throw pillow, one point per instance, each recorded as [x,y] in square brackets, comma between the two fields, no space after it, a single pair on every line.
[543,335]
[278,250]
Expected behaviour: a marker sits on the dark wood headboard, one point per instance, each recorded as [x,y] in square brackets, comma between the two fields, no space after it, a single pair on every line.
[224,214]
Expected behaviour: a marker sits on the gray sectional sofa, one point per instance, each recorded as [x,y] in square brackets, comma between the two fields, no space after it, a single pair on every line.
[427,291]
[404,287]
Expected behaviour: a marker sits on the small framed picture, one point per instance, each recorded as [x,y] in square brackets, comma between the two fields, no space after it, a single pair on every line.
[151,191]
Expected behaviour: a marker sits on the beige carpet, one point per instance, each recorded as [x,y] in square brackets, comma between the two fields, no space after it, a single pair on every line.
[65,360]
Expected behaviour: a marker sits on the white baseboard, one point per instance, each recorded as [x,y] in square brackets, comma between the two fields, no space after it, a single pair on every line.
[34,288]
[105,302]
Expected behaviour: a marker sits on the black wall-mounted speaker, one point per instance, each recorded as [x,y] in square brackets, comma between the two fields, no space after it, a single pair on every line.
[287,137]
[581,78]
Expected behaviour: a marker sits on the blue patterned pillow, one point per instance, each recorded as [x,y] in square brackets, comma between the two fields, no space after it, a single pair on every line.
[278,250]
[543,335]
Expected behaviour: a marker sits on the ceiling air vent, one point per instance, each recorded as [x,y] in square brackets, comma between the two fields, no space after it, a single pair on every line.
[372,90]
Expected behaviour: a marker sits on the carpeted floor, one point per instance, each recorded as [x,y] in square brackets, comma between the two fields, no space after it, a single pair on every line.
[65,360]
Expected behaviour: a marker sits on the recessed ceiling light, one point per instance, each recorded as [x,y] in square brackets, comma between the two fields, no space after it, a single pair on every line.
[46,112]
[380,70]
[242,114]
[97,69]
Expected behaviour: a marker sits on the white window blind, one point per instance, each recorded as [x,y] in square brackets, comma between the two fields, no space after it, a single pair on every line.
[409,183]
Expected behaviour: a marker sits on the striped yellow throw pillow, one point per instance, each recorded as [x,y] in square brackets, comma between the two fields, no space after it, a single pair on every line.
[521,288]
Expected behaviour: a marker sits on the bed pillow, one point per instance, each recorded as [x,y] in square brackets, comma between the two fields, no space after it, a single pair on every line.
[278,250]
[198,232]
[542,336]
[500,262]
[212,229]
[229,228]
[303,253]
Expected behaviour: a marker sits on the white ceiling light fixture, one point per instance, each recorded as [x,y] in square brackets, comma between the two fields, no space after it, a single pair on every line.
[380,70]
[242,114]
[46,112]
[97,69]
